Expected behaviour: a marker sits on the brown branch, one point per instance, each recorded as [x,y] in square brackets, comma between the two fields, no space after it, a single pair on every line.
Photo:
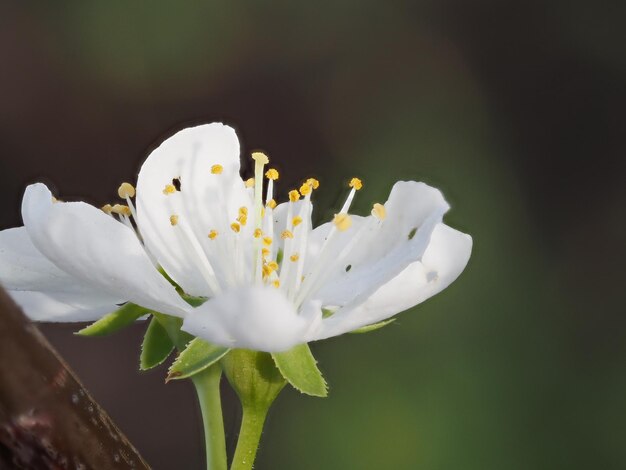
[47,418]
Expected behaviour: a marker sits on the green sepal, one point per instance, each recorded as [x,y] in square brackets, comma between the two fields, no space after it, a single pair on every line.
[254,377]
[197,356]
[373,326]
[299,367]
[114,321]
[172,327]
[194,301]
[156,346]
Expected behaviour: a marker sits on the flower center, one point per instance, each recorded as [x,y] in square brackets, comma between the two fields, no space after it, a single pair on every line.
[273,250]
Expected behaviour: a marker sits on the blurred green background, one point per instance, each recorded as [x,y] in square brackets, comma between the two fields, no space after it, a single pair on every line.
[514,109]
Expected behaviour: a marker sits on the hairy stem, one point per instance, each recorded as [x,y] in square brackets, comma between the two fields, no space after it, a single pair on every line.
[207,385]
[249,437]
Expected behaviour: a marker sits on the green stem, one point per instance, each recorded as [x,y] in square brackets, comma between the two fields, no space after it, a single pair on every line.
[207,385]
[249,437]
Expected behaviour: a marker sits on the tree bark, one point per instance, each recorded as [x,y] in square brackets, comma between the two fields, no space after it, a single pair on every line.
[48,420]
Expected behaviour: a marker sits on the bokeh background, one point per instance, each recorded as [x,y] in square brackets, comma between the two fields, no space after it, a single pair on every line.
[514,108]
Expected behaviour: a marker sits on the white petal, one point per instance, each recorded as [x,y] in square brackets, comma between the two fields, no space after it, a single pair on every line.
[45,292]
[445,258]
[257,318]
[88,244]
[60,307]
[23,267]
[382,249]
[206,202]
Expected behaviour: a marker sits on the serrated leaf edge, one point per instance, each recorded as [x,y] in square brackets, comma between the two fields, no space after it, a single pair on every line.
[324,383]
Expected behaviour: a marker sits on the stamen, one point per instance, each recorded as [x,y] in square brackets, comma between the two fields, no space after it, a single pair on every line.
[107,209]
[121,209]
[297,220]
[257,233]
[265,252]
[295,257]
[267,241]
[286,234]
[169,189]
[313,183]
[355,183]
[272,174]
[260,160]
[235,227]
[243,216]
[271,204]
[213,234]
[294,195]
[173,220]
[217,169]
[305,189]
[249,183]
[126,190]
[379,211]
[342,221]
[276,283]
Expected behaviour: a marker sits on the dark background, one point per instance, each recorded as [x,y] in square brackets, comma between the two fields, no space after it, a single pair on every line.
[514,108]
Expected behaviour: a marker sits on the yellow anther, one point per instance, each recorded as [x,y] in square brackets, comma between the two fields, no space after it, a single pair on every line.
[379,211]
[250,183]
[266,271]
[121,209]
[265,252]
[213,234]
[355,183]
[273,265]
[272,174]
[173,219]
[342,221]
[126,190]
[297,220]
[276,283]
[258,232]
[169,189]
[286,234]
[243,215]
[267,241]
[294,195]
[107,208]
[235,227]
[313,183]
[217,169]
[295,257]
[260,157]
[305,189]
[271,204]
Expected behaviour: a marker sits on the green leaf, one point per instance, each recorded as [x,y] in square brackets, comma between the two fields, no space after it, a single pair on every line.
[299,367]
[110,323]
[197,356]
[156,346]
[373,326]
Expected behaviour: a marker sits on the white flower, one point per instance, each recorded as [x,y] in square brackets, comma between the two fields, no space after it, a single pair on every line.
[272,281]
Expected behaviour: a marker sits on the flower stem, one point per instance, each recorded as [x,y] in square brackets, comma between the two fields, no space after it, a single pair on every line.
[249,437]
[207,385]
